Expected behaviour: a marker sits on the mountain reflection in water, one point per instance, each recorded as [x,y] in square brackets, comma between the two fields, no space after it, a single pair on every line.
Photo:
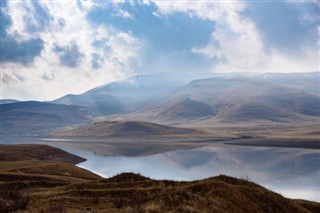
[292,172]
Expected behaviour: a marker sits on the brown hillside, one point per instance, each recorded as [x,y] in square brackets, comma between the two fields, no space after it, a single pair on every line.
[25,152]
[234,99]
[47,186]
[125,128]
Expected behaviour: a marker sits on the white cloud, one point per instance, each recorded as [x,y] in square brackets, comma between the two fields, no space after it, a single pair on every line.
[212,10]
[123,14]
[45,78]
[239,43]
[17,28]
[236,40]
[278,62]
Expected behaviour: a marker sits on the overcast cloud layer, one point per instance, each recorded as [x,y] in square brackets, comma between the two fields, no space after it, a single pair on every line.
[51,48]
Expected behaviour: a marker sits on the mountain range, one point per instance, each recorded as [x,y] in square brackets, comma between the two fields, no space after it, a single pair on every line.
[32,117]
[236,99]
[128,95]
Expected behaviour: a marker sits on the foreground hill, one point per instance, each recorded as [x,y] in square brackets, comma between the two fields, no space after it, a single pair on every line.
[32,117]
[123,128]
[52,186]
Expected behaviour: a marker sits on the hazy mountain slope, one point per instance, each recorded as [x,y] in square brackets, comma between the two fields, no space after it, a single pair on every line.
[235,99]
[8,101]
[128,95]
[53,186]
[142,91]
[98,103]
[307,82]
[119,97]
[125,128]
[274,97]
[33,117]
[264,100]
[187,108]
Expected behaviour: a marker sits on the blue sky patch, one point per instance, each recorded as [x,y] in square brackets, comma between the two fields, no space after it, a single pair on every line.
[70,56]
[177,31]
[281,24]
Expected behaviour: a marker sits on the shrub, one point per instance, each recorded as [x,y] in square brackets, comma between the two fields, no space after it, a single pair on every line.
[57,207]
[17,200]
[152,208]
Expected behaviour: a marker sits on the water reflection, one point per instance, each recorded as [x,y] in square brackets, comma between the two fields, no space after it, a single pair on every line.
[292,172]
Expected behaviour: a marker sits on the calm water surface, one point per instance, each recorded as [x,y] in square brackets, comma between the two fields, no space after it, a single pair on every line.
[294,173]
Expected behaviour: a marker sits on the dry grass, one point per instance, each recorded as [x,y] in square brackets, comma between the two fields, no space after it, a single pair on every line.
[134,193]
[36,152]
[34,186]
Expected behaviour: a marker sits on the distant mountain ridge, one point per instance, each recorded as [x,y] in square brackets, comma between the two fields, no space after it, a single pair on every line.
[203,97]
[128,95]
[307,82]
[173,101]
[236,98]
[32,117]
[8,101]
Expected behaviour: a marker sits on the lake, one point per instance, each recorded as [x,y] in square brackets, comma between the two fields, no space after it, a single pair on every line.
[292,172]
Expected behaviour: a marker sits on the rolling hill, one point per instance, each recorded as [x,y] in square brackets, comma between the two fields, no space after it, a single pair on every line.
[8,101]
[52,186]
[121,96]
[134,93]
[33,117]
[307,82]
[25,152]
[162,99]
[235,99]
[231,97]
[123,128]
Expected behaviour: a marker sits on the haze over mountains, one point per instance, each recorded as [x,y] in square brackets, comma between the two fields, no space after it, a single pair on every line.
[94,93]
[237,99]
[32,117]
[172,100]
[8,101]
[128,95]
[220,91]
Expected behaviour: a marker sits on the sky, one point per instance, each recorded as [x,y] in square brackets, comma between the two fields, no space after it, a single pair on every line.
[50,48]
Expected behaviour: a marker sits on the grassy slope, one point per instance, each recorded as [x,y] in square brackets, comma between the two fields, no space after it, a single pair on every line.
[235,100]
[36,152]
[124,128]
[51,186]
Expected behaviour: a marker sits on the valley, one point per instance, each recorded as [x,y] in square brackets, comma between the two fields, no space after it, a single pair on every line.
[150,106]
[262,128]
